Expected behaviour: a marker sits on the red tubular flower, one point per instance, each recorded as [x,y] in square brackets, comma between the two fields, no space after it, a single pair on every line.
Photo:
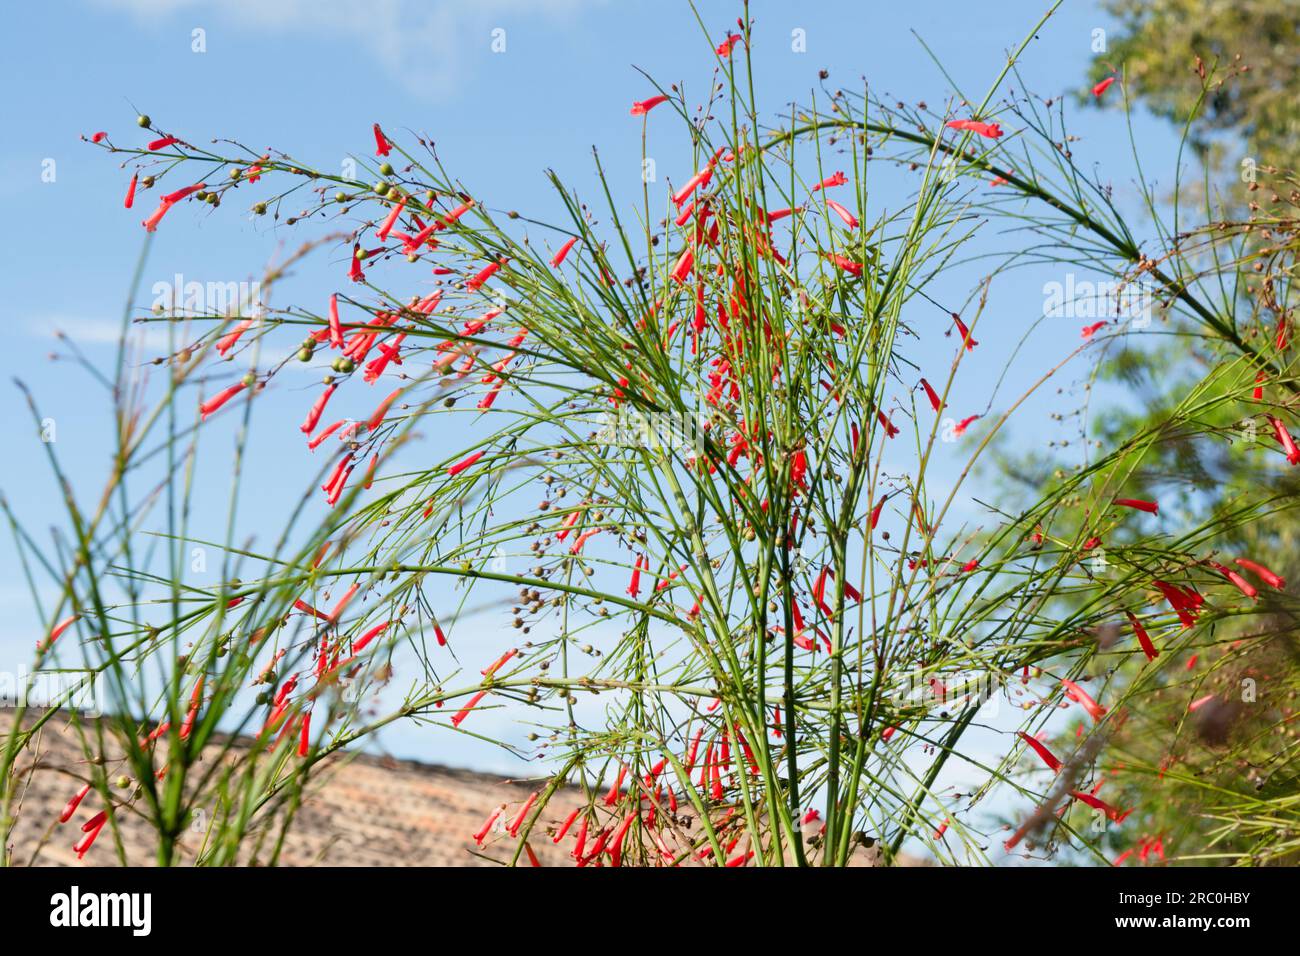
[932,395]
[891,430]
[532,857]
[1144,639]
[838,179]
[1286,441]
[172,198]
[216,401]
[962,425]
[464,463]
[338,475]
[382,146]
[1185,602]
[875,512]
[317,408]
[641,107]
[359,644]
[798,469]
[616,845]
[848,265]
[1102,86]
[354,270]
[1090,330]
[86,842]
[564,251]
[301,605]
[682,270]
[482,833]
[99,137]
[819,591]
[729,44]
[166,203]
[1242,585]
[969,342]
[304,737]
[71,806]
[1080,696]
[465,711]
[151,223]
[694,750]
[130,191]
[389,352]
[377,418]
[1041,749]
[315,442]
[500,662]
[568,822]
[634,588]
[1265,575]
[343,602]
[1098,804]
[1260,379]
[231,338]
[488,400]
[616,788]
[484,274]
[988,130]
[56,631]
[581,842]
[1150,507]
[698,180]
[850,220]
[163,143]
[391,221]
[1200,702]
[582,539]
[518,822]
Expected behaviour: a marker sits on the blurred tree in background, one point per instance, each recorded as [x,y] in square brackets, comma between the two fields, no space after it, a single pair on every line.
[1167,48]
[1211,758]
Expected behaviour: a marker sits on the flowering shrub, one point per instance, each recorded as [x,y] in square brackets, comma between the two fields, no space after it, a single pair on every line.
[713,469]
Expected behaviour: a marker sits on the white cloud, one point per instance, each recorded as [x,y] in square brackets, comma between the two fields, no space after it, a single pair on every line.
[87,331]
[421,43]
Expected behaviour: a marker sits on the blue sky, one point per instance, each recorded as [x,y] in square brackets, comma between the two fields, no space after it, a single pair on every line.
[311,78]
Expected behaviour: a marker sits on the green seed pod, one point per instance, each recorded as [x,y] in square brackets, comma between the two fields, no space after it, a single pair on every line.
[143,121]
[381,188]
[304,354]
[386,169]
[340,196]
[260,209]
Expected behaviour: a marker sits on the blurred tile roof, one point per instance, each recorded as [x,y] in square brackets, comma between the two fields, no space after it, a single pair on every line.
[363,811]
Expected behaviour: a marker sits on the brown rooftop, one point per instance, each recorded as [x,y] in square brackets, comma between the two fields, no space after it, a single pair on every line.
[364,810]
